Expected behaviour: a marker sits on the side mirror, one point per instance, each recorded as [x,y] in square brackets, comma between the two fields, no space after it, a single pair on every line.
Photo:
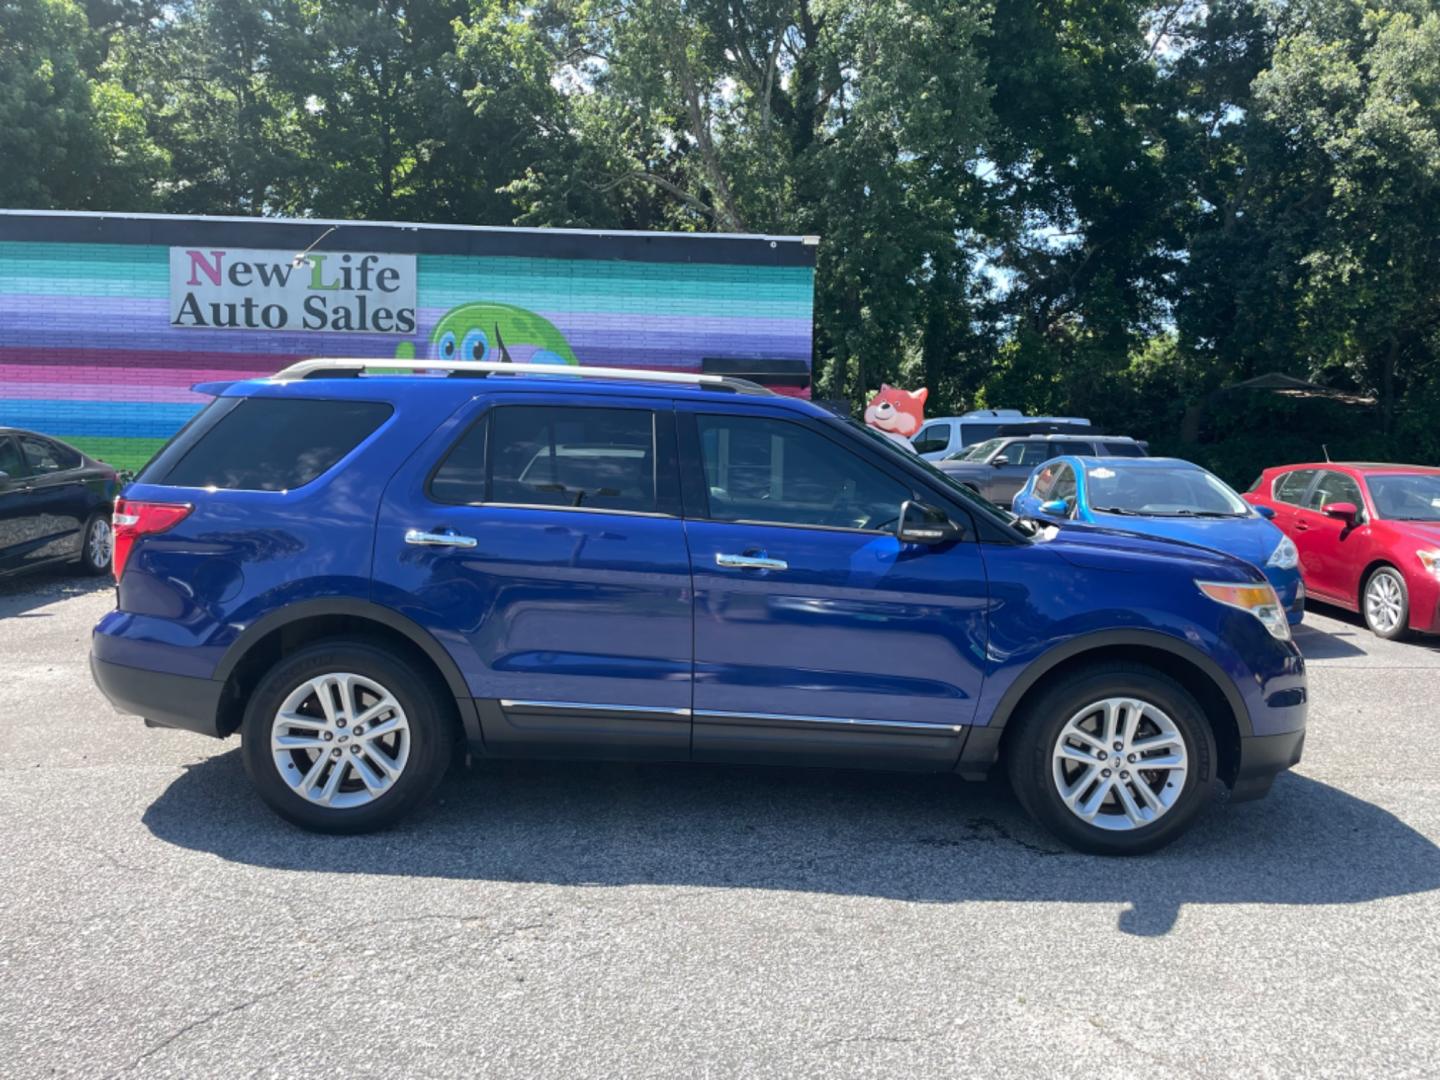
[999,459]
[921,524]
[1267,512]
[1346,512]
[1055,506]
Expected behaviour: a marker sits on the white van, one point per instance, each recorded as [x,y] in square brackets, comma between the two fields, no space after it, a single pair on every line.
[945,435]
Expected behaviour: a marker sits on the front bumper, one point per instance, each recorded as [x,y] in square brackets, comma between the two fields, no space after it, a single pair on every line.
[1262,758]
[164,700]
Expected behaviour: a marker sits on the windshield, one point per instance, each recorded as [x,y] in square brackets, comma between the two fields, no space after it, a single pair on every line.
[1178,491]
[978,452]
[1406,496]
[966,495]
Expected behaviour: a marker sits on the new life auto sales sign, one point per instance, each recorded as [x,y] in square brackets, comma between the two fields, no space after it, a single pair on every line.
[246,289]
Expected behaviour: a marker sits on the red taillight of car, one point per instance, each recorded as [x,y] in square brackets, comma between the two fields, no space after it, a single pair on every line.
[134,519]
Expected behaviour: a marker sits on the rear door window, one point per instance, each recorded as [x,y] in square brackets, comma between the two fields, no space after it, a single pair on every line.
[1291,487]
[271,444]
[571,456]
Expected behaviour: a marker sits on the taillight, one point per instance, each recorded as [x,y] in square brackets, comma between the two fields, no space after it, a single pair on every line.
[134,519]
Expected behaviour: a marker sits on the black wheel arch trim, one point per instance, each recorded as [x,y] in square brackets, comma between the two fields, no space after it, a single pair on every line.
[364,609]
[1103,639]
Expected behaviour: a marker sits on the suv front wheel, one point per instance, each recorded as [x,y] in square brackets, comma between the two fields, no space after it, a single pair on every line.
[1115,759]
[342,738]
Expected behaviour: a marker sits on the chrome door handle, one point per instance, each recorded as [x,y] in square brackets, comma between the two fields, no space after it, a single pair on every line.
[441,539]
[750,562]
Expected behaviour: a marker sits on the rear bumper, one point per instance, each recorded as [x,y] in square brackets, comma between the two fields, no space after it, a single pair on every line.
[1262,758]
[174,701]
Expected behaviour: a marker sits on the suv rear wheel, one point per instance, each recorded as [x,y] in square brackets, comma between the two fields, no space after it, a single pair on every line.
[342,738]
[1115,759]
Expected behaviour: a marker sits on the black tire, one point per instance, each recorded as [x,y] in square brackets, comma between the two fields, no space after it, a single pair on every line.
[1031,746]
[427,708]
[95,557]
[1401,627]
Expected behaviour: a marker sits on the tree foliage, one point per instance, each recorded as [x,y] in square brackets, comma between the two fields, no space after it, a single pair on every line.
[1109,207]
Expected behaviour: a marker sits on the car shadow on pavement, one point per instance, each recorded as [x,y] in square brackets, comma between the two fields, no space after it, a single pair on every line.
[20,594]
[926,839]
[1356,630]
[1326,644]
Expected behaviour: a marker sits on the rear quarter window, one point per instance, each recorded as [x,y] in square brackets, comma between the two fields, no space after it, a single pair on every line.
[270,444]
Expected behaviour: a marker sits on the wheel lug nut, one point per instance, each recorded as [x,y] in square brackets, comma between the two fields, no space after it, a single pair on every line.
[328,736]
[341,723]
[1124,775]
[354,749]
[335,752]
[1130,758]
[1119,746]
[1101,754]
[359,730]
[1104,772]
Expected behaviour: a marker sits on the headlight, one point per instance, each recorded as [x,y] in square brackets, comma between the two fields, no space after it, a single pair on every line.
[1259,600]
[1285,555]
[1430,559]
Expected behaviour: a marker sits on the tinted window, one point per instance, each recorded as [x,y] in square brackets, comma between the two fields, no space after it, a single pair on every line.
[1123,449]
[557,456]
[274,444]
[10,461]
[43,456]
[972,433]
[932,439]
[1045,481]
[1065,447]
[461,477]
[1291,486]
[1334,488]
[773,471]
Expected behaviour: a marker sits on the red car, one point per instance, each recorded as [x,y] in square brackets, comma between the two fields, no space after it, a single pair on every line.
[1368,535]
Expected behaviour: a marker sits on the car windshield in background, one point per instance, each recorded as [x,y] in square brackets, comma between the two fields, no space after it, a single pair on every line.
[1163,492]
[1406,496]
[978,452]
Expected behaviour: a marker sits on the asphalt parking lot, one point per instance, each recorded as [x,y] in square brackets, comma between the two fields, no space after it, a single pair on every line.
[612,920]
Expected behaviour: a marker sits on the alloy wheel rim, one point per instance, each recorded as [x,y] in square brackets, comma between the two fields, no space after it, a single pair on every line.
[100,542]
[340,740]
[1119,764]
[1383,602]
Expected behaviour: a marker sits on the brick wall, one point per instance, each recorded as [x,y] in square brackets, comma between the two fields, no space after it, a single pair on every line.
[87,352]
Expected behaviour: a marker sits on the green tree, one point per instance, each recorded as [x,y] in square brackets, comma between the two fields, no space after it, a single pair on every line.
[70,137]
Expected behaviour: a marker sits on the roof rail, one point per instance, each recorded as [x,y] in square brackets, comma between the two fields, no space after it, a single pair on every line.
[340,367]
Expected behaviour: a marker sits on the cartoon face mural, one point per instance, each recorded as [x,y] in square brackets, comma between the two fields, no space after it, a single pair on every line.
[897,413]
[486,331]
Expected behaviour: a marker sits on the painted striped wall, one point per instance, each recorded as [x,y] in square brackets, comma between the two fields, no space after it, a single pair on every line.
[87,352]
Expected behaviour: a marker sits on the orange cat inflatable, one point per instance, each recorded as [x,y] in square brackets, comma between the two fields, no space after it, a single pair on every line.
[897,413]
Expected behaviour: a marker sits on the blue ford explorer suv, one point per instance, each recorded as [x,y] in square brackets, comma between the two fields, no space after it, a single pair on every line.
[364,573]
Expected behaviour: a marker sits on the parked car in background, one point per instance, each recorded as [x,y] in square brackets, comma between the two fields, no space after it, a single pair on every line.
[942,436]
[1368,537]
[998,468]
[363,573]
[1165,497]
[55,504]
